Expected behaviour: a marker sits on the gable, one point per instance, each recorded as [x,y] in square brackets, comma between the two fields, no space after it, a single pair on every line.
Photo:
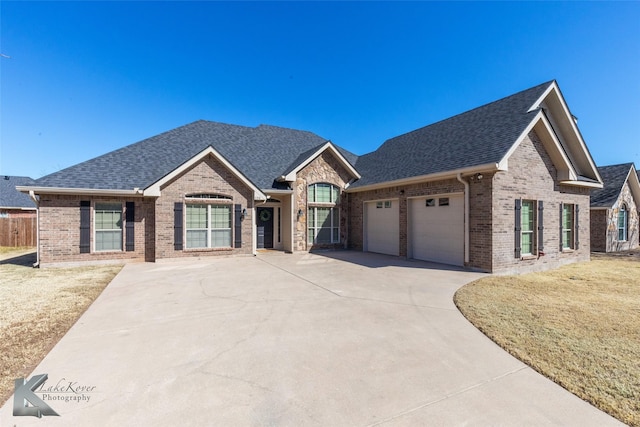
[615,177]
[558,130]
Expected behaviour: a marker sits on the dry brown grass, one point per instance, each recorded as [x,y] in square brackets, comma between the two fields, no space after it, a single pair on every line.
[37,307]
[578,325]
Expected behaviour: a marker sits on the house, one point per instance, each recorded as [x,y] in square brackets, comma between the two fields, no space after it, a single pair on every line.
[499,188]
[17,213]
[614,209]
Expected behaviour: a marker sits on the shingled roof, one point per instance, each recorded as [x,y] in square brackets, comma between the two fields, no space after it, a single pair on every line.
[614,177]
[477,137]
[12,198]
[261,153]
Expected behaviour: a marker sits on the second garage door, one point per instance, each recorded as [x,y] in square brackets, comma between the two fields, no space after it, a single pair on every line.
[436,229]
[382,226]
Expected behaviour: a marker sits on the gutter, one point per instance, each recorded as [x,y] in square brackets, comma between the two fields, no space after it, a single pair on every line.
[466,217]
[33,197]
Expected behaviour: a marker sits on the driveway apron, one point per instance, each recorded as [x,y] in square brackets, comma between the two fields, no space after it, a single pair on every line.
[328,339]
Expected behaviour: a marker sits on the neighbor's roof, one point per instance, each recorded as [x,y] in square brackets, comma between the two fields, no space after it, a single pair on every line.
[614,177]
[12,198]
[478,137]
[261,153]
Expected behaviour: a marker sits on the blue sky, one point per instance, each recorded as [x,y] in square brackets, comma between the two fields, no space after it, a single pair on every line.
[85,78]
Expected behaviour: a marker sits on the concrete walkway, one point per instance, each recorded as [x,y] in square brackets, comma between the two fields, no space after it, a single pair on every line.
[333,339]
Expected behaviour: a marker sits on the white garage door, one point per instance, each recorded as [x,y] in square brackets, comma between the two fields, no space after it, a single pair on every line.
[382,225]
[436,229]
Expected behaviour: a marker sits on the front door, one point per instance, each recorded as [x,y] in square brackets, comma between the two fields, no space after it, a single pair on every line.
[264,222]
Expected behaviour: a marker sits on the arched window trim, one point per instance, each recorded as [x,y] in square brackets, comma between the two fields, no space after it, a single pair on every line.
[319,189]
[208,196]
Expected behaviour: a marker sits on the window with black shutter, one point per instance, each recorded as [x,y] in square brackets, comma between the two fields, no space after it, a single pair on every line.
[177,226]
[130,226]
[85,227]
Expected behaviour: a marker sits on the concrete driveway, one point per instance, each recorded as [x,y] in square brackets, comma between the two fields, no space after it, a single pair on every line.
[332,339]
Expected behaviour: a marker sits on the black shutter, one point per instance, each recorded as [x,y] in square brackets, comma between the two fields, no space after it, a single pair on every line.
[518,228]
[576,223]
[237,210]
[177,226]
[85,227]
[130,215]
[561,225]
[540,226]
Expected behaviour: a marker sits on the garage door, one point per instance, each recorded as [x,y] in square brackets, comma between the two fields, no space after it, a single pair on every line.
[382,225]
[436,229]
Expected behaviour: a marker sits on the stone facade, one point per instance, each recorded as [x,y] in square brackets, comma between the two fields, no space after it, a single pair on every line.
[604,225]
[325,168]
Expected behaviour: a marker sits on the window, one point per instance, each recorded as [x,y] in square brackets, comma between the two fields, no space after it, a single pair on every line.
[208,226]
[108,227]
[323,220]
[379,205]
[622,223]
[431,202]
[568,225]
[387,204]
[443,201]
[528,222]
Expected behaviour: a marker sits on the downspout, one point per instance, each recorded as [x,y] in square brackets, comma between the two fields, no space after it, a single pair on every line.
[466,218]
[33,197]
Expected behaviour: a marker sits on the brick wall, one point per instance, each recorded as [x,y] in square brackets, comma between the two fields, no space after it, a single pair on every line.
[325,168]
[402,193]
[206,177]
[60,229]
[598,229]
[532,176]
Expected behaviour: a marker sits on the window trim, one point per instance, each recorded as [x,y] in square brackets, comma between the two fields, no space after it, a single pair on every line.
[566,208]
[313,229]
[532,232]
[98,231]
[209,228]
[625,226]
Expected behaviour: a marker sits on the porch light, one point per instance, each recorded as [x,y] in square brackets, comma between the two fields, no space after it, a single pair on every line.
[244,214]
[299,214]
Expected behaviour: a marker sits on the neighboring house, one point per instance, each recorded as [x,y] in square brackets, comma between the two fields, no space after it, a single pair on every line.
[499,188]
[17,213]
[614,210]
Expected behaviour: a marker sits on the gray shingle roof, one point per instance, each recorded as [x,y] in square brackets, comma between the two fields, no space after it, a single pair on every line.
[479,136]
[12,198]
[261,153]
[614,177]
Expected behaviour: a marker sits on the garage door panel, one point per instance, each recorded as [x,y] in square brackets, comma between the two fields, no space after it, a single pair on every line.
[382,228]
[437,231]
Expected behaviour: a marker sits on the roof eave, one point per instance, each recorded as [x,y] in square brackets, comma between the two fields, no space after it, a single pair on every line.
[573,183]
[136,192]
[488,167]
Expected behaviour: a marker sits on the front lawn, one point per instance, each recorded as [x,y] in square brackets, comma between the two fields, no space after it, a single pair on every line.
[37,307]
[578,325]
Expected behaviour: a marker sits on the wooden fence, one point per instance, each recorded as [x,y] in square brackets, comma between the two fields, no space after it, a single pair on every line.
[18,232]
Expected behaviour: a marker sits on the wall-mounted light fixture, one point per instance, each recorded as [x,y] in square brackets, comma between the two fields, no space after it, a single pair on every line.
[299,214]
[244,214]
[479,176]
[401,192]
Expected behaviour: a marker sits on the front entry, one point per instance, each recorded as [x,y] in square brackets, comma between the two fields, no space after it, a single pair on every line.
[264,222]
